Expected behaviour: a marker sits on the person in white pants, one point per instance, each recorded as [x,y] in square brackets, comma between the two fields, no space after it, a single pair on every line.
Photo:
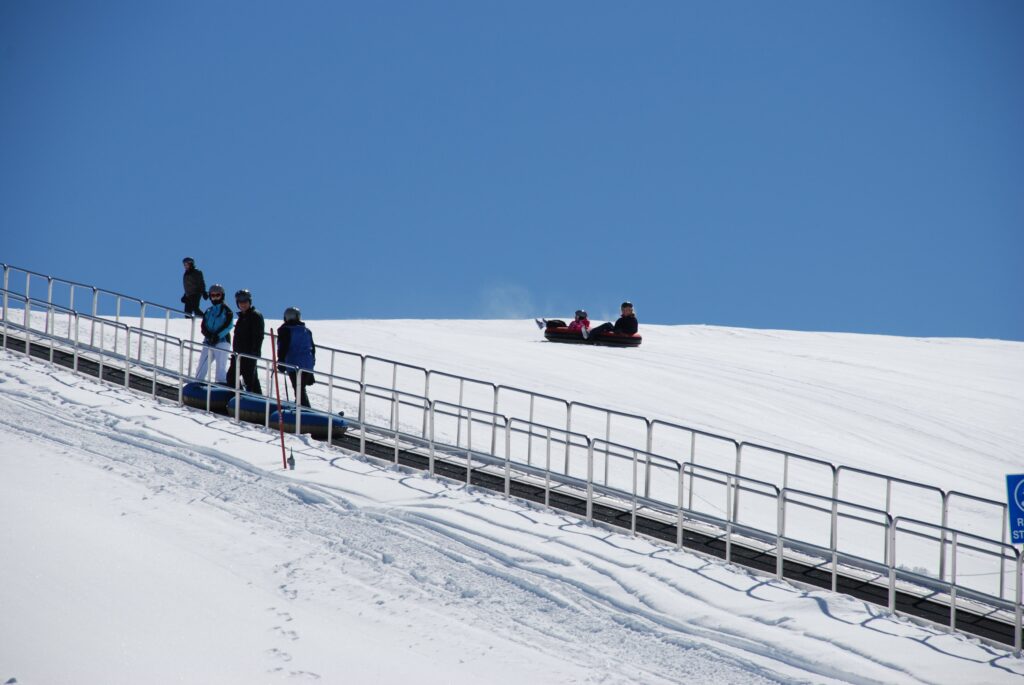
[216,328]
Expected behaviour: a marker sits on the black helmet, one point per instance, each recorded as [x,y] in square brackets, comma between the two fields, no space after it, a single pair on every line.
[216,288]
[189,261]
[292,314]
[243,295]
[581,313]
[627,303]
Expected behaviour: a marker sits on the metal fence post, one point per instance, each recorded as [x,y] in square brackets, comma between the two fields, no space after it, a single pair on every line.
[426,394]
[636,465]
[49,309]
[469,445]
[679,510]
[835,505]
[547,466]
[28,299]
[835,543]
[397,402]
[430,409]
[7,275]
[74,364]
[330,403]
[728,519]
[1002,560]
[508,457]
[942,544]
[362,425]
[693,463]
[607,443]
[590,480]
[738,468]
[892,565]
[142,325]
[780,533]
[1020,601]
[649,450]
[952,587]
[458,425]
[494,418]
[127,356]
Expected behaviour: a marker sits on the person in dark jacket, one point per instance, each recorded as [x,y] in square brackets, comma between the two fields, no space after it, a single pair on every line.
[625,325]
[216,330]
[195,287]
[248,340]
[296,351]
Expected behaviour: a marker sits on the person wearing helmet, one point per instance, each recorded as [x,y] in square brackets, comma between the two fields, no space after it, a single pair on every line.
[581,323]
[216,328]
[296,353]
[248,340]
[195,287]
[626,324]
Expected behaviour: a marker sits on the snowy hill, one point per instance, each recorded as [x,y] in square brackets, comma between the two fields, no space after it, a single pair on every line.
[146,542]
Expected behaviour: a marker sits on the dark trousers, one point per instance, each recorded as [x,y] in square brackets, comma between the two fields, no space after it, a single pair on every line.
[603,328]
[192,305]
[247,368]
[300,393]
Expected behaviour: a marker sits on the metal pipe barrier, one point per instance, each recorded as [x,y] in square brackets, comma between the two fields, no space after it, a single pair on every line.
[492,392]
[1006,552]
[136,350]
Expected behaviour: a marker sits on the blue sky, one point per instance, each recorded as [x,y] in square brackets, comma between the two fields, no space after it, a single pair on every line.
[852,166]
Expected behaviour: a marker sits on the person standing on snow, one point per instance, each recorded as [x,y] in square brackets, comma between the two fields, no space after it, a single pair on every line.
[625,325]
[195,287]
[295,350]
[216,329]
[249,332]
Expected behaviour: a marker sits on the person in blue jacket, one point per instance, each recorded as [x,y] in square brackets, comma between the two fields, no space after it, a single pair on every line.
[296,353]
[216,328]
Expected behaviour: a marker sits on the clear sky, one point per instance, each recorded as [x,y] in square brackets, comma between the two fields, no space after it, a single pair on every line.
[846,166]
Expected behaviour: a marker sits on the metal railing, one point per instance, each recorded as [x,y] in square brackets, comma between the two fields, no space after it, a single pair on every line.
[675,485]
[655,436]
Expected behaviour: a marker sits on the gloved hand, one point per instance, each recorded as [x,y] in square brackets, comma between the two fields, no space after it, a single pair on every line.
[184,299]
[206,296]
[282,368]
[211,340]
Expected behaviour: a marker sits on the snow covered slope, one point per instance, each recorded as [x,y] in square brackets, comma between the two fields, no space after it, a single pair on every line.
[149,543]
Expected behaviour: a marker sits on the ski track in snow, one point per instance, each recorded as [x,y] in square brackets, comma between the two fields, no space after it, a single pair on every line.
[550,583]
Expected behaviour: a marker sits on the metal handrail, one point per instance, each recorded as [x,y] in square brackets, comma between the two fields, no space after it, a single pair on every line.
[651,424]
[735,483]
[473,415]
[497,388]
[1015,554]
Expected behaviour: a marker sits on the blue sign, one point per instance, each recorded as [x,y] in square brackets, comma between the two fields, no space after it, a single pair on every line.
[1015,499]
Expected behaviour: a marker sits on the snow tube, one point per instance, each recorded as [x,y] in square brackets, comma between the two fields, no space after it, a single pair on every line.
[562,334]
[195,395]
[313,422]
[252,407]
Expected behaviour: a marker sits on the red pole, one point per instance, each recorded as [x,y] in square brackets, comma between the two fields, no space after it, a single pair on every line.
[277,391]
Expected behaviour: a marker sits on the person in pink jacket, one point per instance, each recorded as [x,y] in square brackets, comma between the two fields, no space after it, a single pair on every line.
[581,323]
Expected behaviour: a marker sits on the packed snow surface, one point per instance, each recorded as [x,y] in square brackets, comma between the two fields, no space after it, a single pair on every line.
[145,542]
